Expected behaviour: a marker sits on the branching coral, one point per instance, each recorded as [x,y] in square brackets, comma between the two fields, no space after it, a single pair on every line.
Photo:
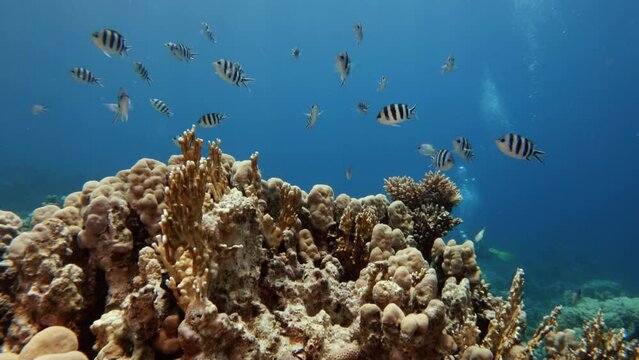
[604,344]
[187,251]
[430,202]
[351,245]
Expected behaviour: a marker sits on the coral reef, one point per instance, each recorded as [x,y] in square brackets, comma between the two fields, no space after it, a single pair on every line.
[204,259]
[429,204]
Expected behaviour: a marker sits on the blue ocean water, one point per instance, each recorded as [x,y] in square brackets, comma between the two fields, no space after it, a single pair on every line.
[562,73]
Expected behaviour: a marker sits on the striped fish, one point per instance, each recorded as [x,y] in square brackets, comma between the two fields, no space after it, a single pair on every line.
[207,32]
[121,109]
[393,114]
[232,73]
[181,51]
[142,72]
[343,64]
[463,148]
[85,76]
[518,147]
[211,120]
[110,42]
[161,107]
[443,160]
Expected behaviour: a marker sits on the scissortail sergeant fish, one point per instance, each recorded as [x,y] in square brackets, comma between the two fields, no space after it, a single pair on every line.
[161,107]
[231,72]
[312,116]
[142,72]
[38,109]
[343,64]
[518,147]
[211,120]
[359,33]
[181,51]
[207,32]
[463,148]
[443,160]
[393,114]
[85,76]
[121,109]
[110,42]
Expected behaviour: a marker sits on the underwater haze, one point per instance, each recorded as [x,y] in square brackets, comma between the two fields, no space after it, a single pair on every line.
[561,73]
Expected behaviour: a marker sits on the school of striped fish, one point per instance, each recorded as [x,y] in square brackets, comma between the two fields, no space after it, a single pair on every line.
[113,43]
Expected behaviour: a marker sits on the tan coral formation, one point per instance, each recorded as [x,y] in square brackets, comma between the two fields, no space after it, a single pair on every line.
[203,259]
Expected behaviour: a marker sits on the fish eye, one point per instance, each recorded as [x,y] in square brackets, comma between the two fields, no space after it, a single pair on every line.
[501,140]
[458,140]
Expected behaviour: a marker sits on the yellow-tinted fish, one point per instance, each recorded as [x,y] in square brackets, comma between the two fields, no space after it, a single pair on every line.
[312,116]
[443,160]
[463,148]
[121,109]
[393,114]
[426,149]
[231,72]
[142,72]
[449,65]
[480,235]
[211,120]
[359,33]
[343,64]
[85,76]
[382,83]
[181,51]
[161,107]
[38,109]
[518,147]
[110,42]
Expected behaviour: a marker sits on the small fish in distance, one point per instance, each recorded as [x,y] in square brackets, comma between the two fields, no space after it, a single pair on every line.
[349,173]
[211,120]
[161,107]
[480,235]
[295,53]
[312,116]
[426,149]
[181,51]
[121,109]
[382,84]
[110,42]
[85,76]
[443,160]
[449,65]
[518,147]
[359,33]
[343,64]
[38,109]
[231,72]
[463,148]
[362,107]
[208,33]
[142,72]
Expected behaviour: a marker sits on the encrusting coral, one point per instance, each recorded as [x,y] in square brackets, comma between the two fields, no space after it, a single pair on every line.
[203,259]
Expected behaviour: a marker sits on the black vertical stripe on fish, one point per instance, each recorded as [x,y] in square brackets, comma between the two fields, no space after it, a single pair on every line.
[402,111]
[393,110]
[518,146]
[386,114]
[526,149]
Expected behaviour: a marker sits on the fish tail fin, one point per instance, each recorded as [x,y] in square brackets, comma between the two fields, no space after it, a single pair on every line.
[412,111]
[99,82]
[537,154]
[247,80]
[126,49]
[342,82]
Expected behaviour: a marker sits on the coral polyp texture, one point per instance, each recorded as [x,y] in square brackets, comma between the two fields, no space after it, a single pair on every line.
[201,258]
